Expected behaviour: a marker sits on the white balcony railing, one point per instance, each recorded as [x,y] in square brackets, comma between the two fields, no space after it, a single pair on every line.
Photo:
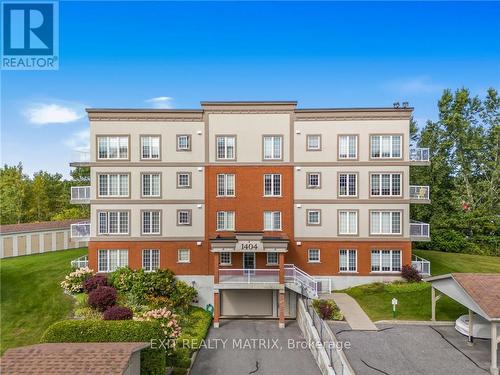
[419,154]
[248,276]
[81,156]
[423,266]
[296,275]
[419,192]
[80,194]
[419,231]
[80,262]
[80,231]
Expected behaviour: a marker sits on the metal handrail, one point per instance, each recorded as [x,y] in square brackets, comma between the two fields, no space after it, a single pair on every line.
[80,193]
[80,262]
[419,229]
[300,277]
[419,192]
[419,154]
[248,275]
[422,265]
[81,230]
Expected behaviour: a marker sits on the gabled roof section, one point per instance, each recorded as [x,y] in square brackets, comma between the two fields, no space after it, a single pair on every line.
[37,227]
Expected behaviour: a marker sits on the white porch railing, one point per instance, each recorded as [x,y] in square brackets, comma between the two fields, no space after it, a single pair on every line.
[423,266]
[419,192]
[297,276]
[324,285]
[80,231]
[80,262]
[248,276]
[419,231]
[419,154]
[80,194]
[81,156]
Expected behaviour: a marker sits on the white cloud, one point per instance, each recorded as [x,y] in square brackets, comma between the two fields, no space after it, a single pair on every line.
[159,102]
[413,85]
[52,113]
[79,141]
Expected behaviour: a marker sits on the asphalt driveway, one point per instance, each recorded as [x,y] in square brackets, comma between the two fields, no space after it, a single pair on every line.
[255,347]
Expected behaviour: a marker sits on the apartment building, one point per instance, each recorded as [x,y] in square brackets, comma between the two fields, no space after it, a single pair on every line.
[253,203]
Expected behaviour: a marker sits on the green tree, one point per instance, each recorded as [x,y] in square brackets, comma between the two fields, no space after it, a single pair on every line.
[13,191]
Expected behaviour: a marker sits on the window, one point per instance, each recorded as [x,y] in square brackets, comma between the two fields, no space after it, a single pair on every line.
[348,222]
[226,146]
[150,147]
[272,147]
[113,185]
[113,222]
[112,147]
[313,180]
[385,146]
[313,256]
[386,260]
[183,217]
[150,259]
[385,222]
[151,185]
[272,259]
[225,185]
[151,222]
[348,260]
[183,142]
[348,184]
[272,220]
[348,146]
[225,220]
[272,185]
[225,259]
[183,256]
[314,142]
[183,180]
[110,260]
[313,217]
[385,184]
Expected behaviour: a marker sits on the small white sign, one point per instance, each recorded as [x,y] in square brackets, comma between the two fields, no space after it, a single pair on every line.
[394,301]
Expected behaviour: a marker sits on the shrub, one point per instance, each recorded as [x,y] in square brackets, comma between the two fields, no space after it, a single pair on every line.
[87,313]
[117,313]
[153,361]
[327,309]
[410,273]
[159,302]
[405,287]
[183,295]
[168,321]
[73,283]
[95,281]
[102,297]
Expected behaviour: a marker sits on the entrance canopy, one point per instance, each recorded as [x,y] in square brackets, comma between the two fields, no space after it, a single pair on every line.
[249,242]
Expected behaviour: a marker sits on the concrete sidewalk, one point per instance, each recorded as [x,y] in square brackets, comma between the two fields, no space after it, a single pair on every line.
[353,313]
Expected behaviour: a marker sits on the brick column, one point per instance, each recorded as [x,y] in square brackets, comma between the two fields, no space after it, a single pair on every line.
[216,308]
[281,258]
[281,308]
[216,268]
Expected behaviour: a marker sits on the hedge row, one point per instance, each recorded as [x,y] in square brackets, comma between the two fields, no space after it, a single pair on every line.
[153,361]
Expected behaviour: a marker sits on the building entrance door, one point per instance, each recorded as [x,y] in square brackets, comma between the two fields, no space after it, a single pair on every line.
[249,262]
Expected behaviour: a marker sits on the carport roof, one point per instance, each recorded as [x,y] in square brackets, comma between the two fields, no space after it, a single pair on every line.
[479,292]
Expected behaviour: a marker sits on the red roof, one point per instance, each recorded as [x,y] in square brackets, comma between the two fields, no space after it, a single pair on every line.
[484,288]
[70,358]
[38,227]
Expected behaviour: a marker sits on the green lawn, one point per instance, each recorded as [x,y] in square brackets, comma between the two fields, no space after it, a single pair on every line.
[414,302]
[31,298]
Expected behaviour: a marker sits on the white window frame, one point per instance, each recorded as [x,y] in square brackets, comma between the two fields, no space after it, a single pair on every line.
[308,214]
[224,181]
[384,140]
[107,224]
[272,263]
[151,185]
[345,260]
[225,262]
[222,218]
[348,223]
[181,186]
[225,147]
[180,253]
[379,265]
[152,142]
[312,147]
[150,227]
[272,153]
[122,261]
[308,180]
[181,147]
[120,185]
[309,253]
[119,140]
[348,192]
[381,214]
[189,217]
[345,143]
[151,262]
[380,177]
[272,221]
[275,186]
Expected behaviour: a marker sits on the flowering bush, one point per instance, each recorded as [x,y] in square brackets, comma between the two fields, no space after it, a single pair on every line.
[117,313]
[410,274]
[168,321]
[102,297]
[73,283]
[327,309]
[95,281]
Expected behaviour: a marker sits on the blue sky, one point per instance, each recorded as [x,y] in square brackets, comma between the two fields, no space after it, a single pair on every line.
[163,54]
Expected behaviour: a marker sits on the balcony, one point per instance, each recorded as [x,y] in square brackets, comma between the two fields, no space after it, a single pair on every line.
[80,231]
[419,231]
[420,155]
[81,262]
[248,276]
[80,195]
[80,158]
[423,266]
[419,194]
